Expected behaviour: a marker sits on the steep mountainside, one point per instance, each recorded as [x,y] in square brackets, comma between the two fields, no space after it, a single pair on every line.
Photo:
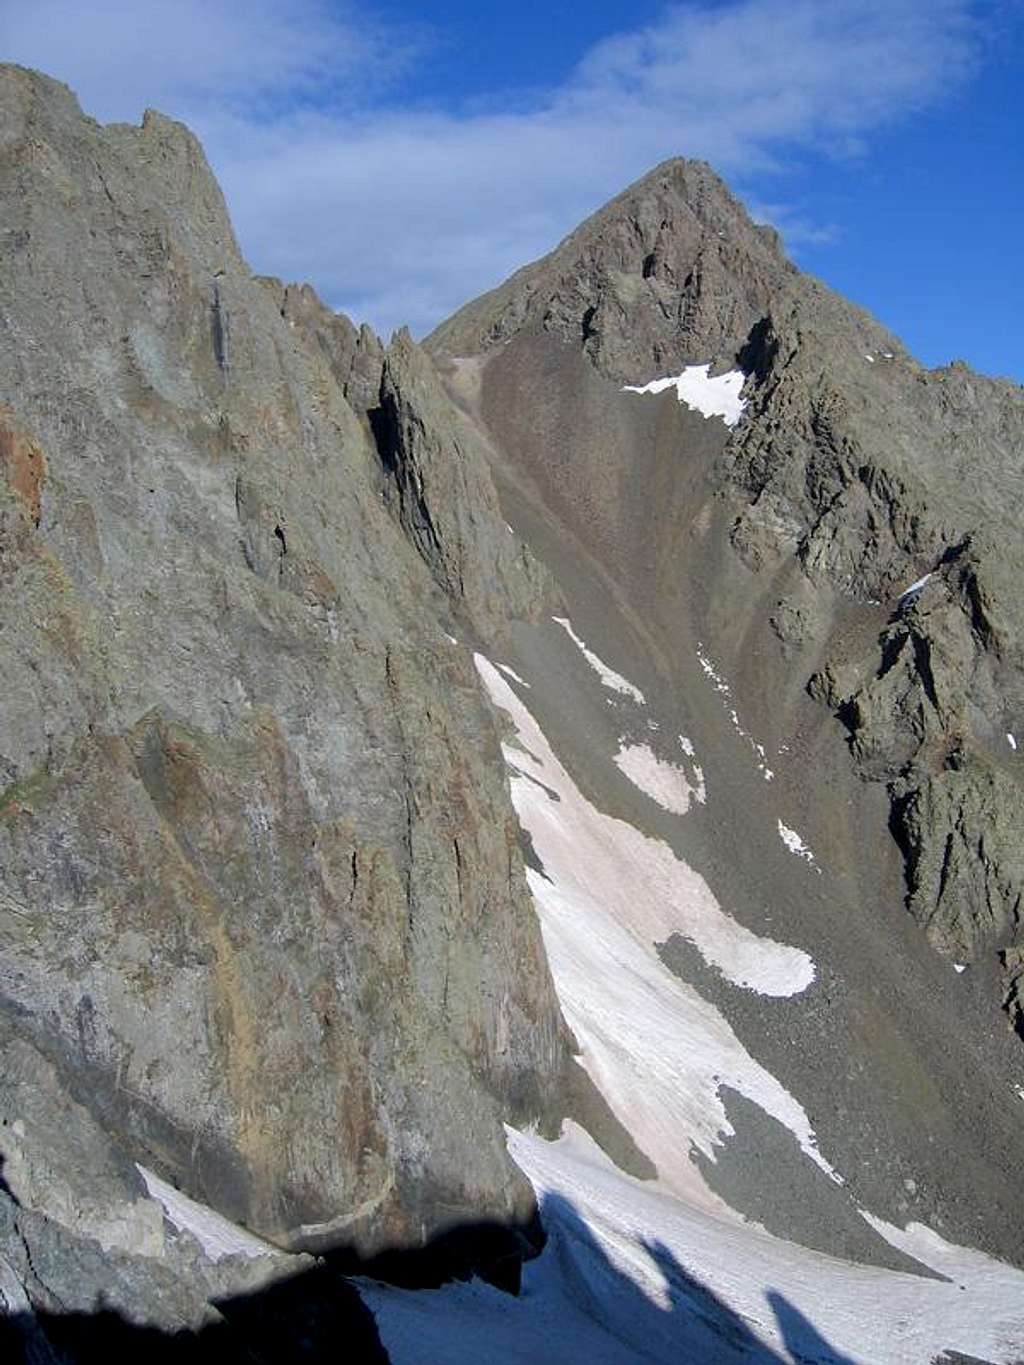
[444,785]
[855,473]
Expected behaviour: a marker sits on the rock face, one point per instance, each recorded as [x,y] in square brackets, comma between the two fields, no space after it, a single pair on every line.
[265,922]
[671,268]
[854,472]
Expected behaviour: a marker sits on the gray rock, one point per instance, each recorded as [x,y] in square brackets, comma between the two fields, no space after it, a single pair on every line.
[439,481]
[671,268]
[265,922]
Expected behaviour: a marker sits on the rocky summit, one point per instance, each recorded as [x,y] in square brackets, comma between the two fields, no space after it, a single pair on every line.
[511,846]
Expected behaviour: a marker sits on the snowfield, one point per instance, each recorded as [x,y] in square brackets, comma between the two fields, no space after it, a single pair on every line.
[632,1274]
[664,1270]
[608,894]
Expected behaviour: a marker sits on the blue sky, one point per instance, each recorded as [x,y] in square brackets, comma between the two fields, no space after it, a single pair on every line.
[405,157]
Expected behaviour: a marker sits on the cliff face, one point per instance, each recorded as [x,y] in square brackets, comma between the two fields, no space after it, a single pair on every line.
[264,915]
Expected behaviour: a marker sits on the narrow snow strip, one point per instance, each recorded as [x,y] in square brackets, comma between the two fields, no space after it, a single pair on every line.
[916,586]
[218,1237]
[724,690]
[607,675]
[629,1274]
[870,358]
[662,782]
[656,1050]
[511,673]
[1011,741]
[717,397]
[794,843]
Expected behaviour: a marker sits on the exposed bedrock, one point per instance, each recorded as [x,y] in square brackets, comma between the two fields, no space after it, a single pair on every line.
[265,921]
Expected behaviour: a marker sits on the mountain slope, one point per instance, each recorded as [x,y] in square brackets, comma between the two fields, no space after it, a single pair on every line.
[442,783]
[854,473]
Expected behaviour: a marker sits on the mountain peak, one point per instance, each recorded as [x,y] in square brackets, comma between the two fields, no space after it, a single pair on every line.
[671,270]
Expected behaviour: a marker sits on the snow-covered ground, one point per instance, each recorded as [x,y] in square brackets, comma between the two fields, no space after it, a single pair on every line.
[608,894]
[712,397]
[795,844]
[725,692]
[511,673]
[915,587]
[664,1270]
[631,1273]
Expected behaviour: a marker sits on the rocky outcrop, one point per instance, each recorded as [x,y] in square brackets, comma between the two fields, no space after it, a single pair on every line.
[670,269]
[265,922]
[440,486]
[927,718]
[877,475]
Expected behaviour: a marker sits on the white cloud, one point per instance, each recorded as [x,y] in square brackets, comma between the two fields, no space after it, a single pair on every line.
[400,213]
[202,56]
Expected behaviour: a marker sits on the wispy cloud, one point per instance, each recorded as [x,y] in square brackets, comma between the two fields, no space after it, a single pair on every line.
[258,58]
[399,212]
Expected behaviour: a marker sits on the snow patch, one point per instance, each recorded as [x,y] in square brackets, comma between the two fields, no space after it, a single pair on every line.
[607,675]
[796,845]
[218,1237]
[717,397]
[723,689]
[661,781]
[959,967]
[630,1273]
[511,673]
[870,358]
[1011,741]
[916,586]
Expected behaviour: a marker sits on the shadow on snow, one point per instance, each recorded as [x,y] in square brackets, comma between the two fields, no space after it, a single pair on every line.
[318,1314]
